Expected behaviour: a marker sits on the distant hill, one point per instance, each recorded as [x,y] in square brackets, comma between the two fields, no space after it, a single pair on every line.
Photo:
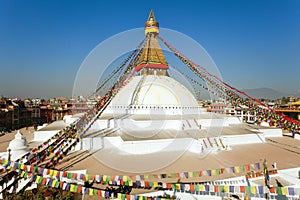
[265,93]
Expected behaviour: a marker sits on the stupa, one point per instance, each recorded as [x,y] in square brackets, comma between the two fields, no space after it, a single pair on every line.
[152,95]
[18,146]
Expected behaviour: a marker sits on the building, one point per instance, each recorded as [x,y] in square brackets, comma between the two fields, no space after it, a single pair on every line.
[218,108]
[291,109]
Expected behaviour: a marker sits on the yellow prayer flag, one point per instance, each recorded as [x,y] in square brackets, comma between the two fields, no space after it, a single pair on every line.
[91,191]
[177,186]
[125,178]
[119,196]
[155,184]
[253,189]
[130,183]
[190,174]
[140,197]
[201,187]
[22,174]
[38,179]
[22,166]
[213,172]
[284,191]
[104,177]
[51,172]
[55,172]
[72,188]
[237,169]
[53,183]
[226,188]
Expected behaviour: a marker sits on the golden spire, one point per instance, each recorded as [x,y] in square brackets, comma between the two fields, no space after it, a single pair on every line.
[152,60]
[151,25]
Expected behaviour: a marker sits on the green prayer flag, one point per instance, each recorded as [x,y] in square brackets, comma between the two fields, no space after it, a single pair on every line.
[278,190]
[248,190]
[195,174]
[242,168]
[26,175]
[69,175]
[75,188]
[151,176]
[173,186]
[95,191]
[57,184]
[221,188]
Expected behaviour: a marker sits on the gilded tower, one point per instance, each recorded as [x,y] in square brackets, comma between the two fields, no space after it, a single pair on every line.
[152,60]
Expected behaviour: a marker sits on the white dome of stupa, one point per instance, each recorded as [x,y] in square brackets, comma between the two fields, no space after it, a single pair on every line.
[154,92]
[18,146]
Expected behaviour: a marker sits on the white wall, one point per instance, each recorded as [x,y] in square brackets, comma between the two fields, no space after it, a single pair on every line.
[276,132]
[206,123]
[226,121]
[243,139]
[148,125]
[151,146]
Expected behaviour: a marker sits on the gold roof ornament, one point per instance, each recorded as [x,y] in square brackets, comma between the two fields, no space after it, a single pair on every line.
[152,59]
[151,25]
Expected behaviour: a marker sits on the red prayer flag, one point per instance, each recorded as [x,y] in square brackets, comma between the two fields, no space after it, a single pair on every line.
[112,178]
[79,188]
[247,167]
[272,190]
[61,184]
[216,188]
[44,181]
[199,173]
[99,193]
[242,189]
[222,170]
[192,187]
[169,186]
[74,175]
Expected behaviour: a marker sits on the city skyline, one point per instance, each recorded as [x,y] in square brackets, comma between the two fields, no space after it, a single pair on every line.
[255,44]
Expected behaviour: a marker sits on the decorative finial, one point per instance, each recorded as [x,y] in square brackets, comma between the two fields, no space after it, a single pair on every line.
[19,135]
[151,25]
[151,16]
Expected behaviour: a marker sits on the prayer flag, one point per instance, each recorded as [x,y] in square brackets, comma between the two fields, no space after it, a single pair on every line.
[253,189]
[284,191]
[91,191]
[226,188]
[291,191]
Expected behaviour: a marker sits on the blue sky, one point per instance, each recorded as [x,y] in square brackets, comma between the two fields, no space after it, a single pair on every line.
[255,43]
